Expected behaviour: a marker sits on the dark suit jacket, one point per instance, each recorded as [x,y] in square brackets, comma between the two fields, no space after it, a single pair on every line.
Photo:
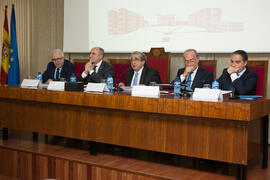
[203,76]
[104,71]
[245,85]
[148,75]
[67,70]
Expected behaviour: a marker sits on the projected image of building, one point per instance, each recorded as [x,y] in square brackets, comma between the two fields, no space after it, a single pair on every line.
[124,21]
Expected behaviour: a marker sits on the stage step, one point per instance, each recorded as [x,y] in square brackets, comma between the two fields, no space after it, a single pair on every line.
[62,158]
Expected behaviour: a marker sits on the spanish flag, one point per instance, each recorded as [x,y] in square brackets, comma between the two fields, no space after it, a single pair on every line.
[5,51]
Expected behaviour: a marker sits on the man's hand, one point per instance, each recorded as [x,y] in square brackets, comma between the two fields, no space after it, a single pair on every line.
[121,84]
[49,80]
[88,67]
[231,70]
[188,70]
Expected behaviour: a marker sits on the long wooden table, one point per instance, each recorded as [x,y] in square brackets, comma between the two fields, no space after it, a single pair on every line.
[232,131]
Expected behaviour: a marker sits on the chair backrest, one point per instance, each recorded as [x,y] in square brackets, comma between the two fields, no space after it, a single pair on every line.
[210,65]
[120,66]
[79,66]
[261,68]
[160,60]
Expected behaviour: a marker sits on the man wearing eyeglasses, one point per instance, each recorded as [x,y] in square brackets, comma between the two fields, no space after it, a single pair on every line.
[193,75]
[96,69]
[58,69]
[139,73]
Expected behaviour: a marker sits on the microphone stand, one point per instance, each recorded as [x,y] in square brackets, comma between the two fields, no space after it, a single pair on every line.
[117,87]
[185,91]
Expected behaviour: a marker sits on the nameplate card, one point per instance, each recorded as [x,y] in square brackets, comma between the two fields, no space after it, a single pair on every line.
[56,85]
[30,83]
[95,87]
[206,94]
[145,91]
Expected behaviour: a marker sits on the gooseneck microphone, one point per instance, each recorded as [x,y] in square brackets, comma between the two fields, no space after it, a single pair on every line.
[117,87]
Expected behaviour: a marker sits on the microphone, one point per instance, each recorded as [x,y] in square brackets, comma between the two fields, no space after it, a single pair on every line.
[117,87]
[200,84]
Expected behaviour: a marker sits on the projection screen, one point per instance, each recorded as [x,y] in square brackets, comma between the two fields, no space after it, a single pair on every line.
[209,26]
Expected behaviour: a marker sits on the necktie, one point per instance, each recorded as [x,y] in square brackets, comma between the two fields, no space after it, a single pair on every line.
[135,79]
[188,82]
[95,67]
[57,74]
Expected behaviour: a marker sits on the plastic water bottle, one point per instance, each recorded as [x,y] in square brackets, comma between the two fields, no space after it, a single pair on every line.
[72,78]
[215,84]
[110,83]
[177,86]
[39,77]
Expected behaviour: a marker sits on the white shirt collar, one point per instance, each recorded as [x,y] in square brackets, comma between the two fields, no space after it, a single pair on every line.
[140,71]
[242,72]
[139,76]
[235,76]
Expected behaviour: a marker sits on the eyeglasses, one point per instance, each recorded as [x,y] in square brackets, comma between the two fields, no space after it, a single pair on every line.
[135,59]
[55,59]
[190,61]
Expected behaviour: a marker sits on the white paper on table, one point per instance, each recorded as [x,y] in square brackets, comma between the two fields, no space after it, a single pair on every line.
[207,94]
[56,85]
[30,83]
[145,91]
[95,87]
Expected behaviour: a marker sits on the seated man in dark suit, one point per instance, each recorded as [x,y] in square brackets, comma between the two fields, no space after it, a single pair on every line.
[58,69]
[238,77]
[193,75]
[139,73]
[96,69]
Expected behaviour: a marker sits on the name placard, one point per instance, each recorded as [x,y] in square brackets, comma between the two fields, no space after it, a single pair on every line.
[95,87]
[56,85]
[145,91]
[206,94]
[30,83]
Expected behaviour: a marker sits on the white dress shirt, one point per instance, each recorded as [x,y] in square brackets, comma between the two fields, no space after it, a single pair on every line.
[91,72]
[138,78]
[182,78]
[235,76]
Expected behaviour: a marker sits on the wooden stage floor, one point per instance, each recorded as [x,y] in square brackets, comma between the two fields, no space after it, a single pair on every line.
[118,161]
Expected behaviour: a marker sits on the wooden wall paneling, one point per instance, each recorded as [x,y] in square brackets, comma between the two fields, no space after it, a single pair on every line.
[255,139]
[80,171]
[61,169]
[103,173]
[41,167]
[3,112]
[25,166]
[8,165]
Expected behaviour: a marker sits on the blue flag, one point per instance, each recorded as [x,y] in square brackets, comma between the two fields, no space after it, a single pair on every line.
[14,69]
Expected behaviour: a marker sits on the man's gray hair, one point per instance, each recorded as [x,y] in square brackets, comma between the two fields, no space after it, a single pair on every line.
[141,54]
[192,50]
[58,51]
